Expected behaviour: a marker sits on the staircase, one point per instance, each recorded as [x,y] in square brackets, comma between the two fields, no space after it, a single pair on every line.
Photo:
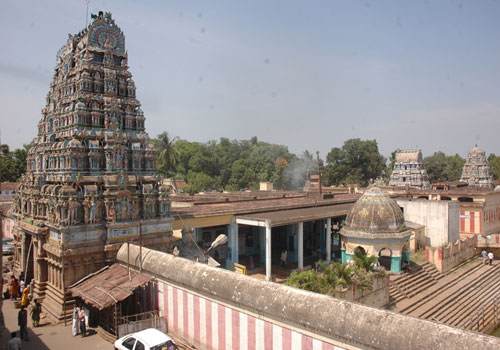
[468,298]
[411,284]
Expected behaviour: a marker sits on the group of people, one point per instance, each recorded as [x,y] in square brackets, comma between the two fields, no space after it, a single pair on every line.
[18,289]
[487,256]
[79,321]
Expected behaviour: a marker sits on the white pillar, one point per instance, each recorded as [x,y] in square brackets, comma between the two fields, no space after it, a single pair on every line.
[300,239]
[268,252]
[233,243]
[328,239]
[233,227]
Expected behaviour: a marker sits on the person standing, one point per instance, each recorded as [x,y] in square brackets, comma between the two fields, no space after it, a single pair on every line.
[75,326]
[81,317]
[284,256]
[14,343]
[22,322]
[484,254]
[36,310]
[21,286]
[13,288]
[490,256]
[25,299]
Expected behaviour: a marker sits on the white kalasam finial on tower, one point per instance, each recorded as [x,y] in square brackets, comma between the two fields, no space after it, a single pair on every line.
[87,16]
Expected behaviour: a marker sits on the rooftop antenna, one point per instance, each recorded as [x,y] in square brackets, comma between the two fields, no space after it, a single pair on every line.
[87,16]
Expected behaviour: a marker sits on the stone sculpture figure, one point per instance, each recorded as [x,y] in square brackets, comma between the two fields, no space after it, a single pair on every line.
[92,211]
[112,213]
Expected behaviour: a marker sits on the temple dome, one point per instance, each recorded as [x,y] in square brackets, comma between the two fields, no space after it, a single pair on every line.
[374,213]
[476,150]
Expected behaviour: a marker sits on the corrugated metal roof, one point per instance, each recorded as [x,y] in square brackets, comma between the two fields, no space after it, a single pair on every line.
[108,286]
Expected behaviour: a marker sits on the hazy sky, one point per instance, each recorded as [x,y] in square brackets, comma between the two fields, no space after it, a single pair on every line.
[306,74]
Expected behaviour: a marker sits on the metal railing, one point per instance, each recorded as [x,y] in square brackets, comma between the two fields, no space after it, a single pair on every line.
[475,320]
[496,310]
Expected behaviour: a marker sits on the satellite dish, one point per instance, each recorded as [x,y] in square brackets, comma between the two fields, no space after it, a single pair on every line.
[220,240]
[176,251]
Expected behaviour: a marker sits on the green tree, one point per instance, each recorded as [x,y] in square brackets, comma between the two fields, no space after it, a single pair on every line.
[494,162]
[167,153]
[392,161]
[279,177]
[454,167]
[307,280]
[441,167]
[13,163]
[198,182]
[357,161]
[363,261]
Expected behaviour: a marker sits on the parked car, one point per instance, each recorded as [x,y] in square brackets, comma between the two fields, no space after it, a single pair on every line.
[8,246]
[148,339]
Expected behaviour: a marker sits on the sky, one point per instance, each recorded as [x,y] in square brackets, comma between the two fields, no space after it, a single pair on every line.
[305,74]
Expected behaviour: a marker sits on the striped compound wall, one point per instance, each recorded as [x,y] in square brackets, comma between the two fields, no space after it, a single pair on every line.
[210,325]
[470,222]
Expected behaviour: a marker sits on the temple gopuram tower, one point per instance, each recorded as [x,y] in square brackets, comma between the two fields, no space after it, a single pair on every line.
[409,170]
[91,181]
[476,171]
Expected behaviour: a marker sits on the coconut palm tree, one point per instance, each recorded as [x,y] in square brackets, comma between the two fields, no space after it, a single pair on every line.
[167,153]
[363,261]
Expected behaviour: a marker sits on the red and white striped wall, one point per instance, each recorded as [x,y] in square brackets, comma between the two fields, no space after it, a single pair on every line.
[209,325]
[470,222]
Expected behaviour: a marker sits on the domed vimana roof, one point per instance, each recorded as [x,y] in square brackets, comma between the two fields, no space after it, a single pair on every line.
[375,214]
[476,150]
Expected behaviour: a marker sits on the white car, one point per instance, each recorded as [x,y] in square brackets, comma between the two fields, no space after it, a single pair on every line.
[148,339]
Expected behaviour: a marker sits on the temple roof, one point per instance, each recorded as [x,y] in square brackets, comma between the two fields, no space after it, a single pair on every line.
[375,213]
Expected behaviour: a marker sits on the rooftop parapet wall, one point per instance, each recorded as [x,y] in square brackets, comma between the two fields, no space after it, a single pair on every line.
[358,325]
[446,258]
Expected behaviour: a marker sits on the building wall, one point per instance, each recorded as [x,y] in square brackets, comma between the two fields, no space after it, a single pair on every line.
[438,217]
[208,324]
[218,309]
[471,221]
[7,226]
[6,195]
[446,258]
[490,218]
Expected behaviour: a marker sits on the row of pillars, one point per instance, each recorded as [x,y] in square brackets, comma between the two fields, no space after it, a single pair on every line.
[233,244]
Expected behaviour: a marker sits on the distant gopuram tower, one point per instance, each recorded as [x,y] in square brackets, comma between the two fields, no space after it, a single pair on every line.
[409,170]
[91,181]
[476,171]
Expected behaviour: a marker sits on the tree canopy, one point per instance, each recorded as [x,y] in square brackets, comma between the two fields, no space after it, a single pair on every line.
[494,162]
[441,167]
[13,163]
[231,165]
[167,153]
[358,161]
[330,278]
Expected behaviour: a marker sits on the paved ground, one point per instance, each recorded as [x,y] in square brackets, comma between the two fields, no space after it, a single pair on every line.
[48,336]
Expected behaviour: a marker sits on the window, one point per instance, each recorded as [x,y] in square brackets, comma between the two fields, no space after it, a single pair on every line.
[139,346]
[129,343]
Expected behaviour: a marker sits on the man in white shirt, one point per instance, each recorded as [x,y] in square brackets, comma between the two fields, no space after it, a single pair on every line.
[490,256]
[484,254]
[14,343]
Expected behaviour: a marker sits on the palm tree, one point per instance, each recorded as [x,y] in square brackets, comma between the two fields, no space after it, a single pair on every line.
[363,279]
[167,153]
[363,261]
[307,280]
[343,273]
